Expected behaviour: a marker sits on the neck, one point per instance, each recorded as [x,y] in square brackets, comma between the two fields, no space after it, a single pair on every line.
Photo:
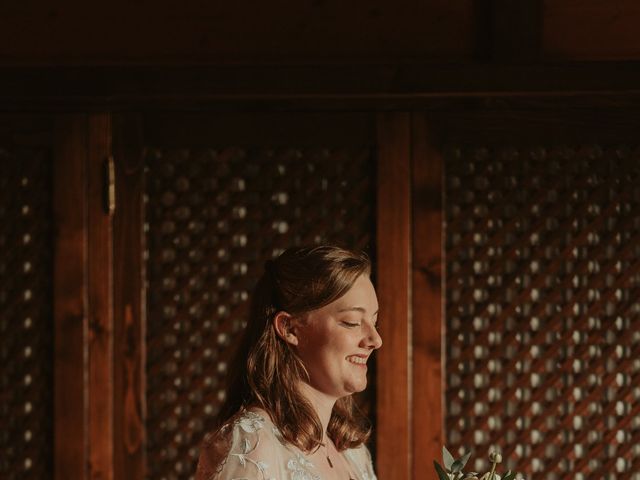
[322,404]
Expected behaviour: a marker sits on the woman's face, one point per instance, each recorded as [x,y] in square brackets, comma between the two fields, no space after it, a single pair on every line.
[335,341]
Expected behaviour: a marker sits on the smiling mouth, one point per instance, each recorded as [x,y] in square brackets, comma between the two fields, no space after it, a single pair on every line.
[357,360]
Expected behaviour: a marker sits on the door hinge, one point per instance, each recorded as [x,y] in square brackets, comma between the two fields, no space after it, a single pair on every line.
[109,186]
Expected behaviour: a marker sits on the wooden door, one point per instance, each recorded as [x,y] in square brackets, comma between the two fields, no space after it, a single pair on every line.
[541,262]
[55,312]
[203,201]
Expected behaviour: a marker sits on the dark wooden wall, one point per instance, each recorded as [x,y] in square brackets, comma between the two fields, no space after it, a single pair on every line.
[75,32]
[72,32]
[417,70]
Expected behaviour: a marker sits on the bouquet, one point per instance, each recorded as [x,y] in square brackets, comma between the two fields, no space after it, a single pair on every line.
[452,469]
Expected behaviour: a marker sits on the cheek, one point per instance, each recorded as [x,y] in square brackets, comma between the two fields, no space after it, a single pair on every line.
[325,347]
[312,344]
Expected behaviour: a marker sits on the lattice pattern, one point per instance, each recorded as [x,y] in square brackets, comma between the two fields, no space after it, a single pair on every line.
[26,319]
[214,217]
[543,324]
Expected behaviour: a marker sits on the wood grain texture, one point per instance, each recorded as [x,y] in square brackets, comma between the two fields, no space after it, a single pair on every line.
[393,434]
[314,87]
[129,310]
[515,31]
[99,271]
[70,298]
[428,326]
[230,32]
[591,30]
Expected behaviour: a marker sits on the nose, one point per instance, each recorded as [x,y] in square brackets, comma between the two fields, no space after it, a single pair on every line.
[372,339]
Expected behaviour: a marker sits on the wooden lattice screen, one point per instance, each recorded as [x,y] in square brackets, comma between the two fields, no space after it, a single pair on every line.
[542,308]
[26,319]
[214,216]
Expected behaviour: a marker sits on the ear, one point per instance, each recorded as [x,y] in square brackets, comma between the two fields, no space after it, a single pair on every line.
[283,323]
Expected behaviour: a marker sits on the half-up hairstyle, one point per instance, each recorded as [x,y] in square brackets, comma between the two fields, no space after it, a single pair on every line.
[266,371]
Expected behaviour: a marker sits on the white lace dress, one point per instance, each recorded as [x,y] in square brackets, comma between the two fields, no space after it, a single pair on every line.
[257,451]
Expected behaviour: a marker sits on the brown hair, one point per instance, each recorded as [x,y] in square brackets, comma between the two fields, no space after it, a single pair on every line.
[266,370]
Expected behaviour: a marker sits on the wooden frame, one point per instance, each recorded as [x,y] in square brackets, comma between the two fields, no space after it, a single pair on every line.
[100,300]
[410,364]
[70,298]
[427,302]
[83,313]
[129,306]
[394,368]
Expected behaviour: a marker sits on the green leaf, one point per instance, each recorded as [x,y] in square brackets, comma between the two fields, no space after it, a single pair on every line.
[447,458]
[442,475]
[509,475]
[465,459]
[457,466]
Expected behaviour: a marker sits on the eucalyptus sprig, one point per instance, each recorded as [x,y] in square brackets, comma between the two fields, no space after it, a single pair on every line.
[453,468]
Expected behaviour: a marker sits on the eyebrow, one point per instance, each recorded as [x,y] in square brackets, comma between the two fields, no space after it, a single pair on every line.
[355,309]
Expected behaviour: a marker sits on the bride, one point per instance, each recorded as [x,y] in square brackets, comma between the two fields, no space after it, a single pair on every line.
[289,413]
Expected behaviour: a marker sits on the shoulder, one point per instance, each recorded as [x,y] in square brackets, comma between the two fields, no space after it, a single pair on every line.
[361,458]
[247,442]
[360,453]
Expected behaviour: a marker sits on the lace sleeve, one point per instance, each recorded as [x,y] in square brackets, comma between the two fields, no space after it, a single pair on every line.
[369,464]
[244,450]
[361,457]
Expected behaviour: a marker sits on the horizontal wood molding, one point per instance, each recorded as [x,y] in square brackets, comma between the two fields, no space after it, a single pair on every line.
[311,86]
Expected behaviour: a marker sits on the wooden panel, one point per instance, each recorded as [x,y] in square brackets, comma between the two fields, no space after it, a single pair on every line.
[543,273]
[591,30]
[393,435]
[224,194]
[428,386]
[70,298]
[129,311]
[277,31]
[99,272]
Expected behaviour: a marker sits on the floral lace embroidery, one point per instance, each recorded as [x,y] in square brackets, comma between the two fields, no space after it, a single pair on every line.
[299,468]
[251,422]
[279,437]
[297,465]
[361,468]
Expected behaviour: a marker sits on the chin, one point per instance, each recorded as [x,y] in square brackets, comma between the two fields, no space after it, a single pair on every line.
[356,388]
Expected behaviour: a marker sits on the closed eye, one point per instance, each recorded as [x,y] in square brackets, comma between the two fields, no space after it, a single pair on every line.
[350,324]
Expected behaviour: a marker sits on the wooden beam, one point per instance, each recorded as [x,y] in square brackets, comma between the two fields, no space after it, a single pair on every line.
[515,31]
[70,298]
[337,87]
[427,306]
[99,271]
[129,306]
[591,30]
[393,435]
